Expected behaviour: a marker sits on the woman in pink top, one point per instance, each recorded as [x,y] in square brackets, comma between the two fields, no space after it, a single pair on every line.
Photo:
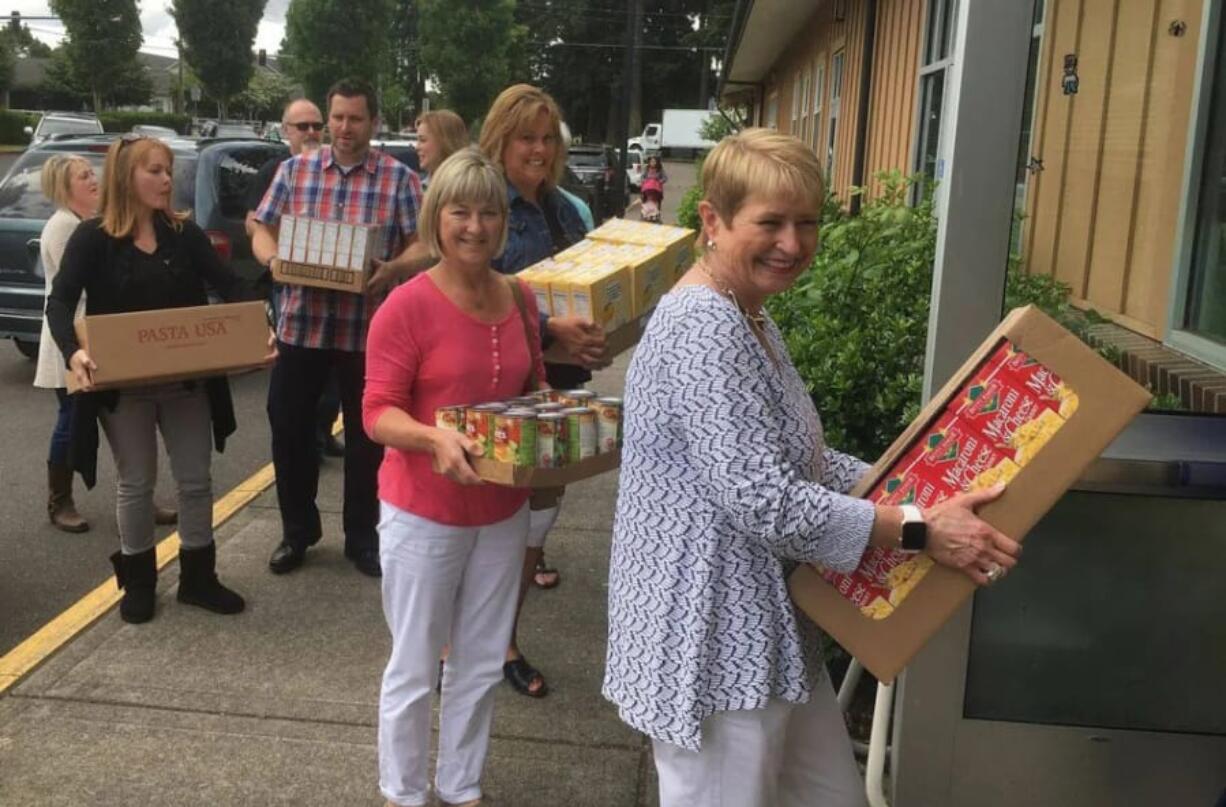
[452,548]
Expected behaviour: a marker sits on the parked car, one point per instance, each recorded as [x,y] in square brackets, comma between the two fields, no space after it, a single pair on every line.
[597,168]
[160,132]
[63,123]
[211,178]
[399,147]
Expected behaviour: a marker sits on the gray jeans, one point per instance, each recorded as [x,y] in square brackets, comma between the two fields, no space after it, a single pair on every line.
[182,416]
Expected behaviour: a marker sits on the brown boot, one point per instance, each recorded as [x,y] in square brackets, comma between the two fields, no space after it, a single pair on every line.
[60,507]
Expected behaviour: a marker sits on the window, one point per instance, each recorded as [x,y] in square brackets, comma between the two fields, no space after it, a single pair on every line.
[1205,314]
[802,121]
[938,57]
[836,99]
[819,91]
[796,101]
[772,111]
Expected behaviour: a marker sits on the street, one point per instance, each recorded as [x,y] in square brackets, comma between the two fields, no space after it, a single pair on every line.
[43,570]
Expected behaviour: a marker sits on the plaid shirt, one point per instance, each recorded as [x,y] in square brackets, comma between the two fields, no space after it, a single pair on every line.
[380,191]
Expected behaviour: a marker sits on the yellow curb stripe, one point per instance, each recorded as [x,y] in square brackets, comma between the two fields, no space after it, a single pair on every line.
[84,612]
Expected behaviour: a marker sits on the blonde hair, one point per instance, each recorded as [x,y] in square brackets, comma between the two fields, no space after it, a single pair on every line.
[764,163]
[466,177]
[447,128]
[514,110]
[119,206]
[57,174]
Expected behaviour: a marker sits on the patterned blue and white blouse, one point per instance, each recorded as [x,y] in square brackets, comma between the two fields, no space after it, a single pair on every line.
[725,486]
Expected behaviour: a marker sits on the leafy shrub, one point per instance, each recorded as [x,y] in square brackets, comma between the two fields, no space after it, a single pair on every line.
[856,322]
[12,127]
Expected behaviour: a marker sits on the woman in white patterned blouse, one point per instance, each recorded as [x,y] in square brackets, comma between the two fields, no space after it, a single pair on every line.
[726,485]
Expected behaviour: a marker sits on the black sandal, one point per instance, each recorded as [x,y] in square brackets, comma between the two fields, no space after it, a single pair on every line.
[521,675]
[542,569]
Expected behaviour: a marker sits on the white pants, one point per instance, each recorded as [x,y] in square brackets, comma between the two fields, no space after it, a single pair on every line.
[785,755]
[443,584]
[539,524]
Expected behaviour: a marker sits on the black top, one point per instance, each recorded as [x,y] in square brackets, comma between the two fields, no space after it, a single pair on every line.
[119,277]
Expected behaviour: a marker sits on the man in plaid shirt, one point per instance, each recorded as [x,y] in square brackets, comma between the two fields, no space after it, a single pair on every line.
[320,330]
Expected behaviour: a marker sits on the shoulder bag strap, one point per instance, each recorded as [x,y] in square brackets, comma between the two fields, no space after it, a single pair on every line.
[517,292]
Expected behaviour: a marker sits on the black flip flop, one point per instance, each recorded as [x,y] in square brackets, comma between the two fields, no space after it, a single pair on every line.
[521,674]
[540,569]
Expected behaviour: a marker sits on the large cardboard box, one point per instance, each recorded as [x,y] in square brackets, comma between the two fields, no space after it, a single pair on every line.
[326,254]
[502,473]
[153,347]
[678,243]
[1032,407]
[600,292]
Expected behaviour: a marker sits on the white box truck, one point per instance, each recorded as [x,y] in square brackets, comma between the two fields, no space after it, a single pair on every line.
[679,130]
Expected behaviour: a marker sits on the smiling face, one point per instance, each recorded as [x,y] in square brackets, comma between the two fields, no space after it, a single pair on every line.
[529,155]
[152,180]
[470,233]
[765,246]
[83,187]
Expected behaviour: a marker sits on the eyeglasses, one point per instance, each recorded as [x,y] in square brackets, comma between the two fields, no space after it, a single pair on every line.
[313,126]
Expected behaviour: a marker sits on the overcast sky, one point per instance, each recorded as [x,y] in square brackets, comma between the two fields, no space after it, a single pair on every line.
[159,28]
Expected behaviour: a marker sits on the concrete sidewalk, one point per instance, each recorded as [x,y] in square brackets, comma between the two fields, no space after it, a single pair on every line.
[278,705]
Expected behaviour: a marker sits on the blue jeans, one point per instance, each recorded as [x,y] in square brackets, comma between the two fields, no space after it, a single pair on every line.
[63,429]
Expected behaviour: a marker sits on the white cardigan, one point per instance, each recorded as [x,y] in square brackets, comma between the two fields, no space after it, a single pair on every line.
[55,235]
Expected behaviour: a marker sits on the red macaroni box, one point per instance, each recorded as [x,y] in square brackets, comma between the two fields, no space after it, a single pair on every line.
[1032,408]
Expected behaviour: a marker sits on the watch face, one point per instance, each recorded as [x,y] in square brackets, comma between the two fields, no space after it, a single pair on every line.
[914,536]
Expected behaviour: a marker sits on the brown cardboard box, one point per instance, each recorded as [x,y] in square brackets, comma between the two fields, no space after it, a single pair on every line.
[1104,401]
[152,347]
[324,277]
[325,254]
[503,473]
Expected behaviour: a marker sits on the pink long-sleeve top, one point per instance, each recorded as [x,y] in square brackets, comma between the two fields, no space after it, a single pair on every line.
[423,353]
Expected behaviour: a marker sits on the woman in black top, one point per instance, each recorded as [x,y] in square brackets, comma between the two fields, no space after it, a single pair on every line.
[142,255]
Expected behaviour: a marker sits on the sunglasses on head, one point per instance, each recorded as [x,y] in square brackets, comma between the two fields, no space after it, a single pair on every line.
[308,126]
[130,137]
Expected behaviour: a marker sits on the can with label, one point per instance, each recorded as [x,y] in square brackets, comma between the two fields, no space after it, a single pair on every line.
[550,440]
[581,433]
[608,424]
[523,402]
[450,418]
[544,396]
[479,426]
[577,397]
[542,408]
[515,437]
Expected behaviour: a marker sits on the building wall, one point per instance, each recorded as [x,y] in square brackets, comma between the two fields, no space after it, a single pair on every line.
[1101,214]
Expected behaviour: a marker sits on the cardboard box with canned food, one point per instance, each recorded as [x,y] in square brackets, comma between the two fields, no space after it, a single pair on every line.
[171,344]
[326,254]
[678,243]
[1031,408]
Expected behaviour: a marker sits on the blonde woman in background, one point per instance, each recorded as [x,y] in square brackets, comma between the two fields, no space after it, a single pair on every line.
[440,133]
[69,183]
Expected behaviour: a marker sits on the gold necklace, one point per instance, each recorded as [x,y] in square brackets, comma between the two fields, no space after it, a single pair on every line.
[757,322]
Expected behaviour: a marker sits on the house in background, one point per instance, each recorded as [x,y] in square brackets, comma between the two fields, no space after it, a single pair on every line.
[1121,172]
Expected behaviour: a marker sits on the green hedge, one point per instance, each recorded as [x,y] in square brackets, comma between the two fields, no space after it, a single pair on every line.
[124,121]
[12,127]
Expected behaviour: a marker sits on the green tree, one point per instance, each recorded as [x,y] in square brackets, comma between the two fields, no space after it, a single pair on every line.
[266,95]
[101,45]
[24,43]
[66,90]
[405,87]
[217,36]
[8,63]
[327,40]
[466,47]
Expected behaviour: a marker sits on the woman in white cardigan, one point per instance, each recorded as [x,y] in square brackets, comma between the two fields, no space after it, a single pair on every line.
[69,182]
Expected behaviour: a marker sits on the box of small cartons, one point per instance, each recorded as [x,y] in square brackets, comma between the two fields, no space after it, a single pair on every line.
[172,344]
[1031,408]
[677,242]
[326,254]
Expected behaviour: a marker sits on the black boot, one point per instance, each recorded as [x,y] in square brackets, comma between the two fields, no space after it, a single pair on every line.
[137,575]
[198,583]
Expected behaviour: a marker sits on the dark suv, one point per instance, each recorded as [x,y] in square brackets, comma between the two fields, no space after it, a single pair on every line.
[596,166]
[211,178]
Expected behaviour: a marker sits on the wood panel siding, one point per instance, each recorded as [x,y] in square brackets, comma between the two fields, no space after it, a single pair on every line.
[891,118]
[1101,215]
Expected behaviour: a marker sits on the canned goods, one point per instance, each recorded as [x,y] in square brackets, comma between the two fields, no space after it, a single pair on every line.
[542,408]
[479,426]
[545,396]
[580,433]
[550,440]
[525,401]
[515,437]
[450,418]
[608,424]
[577,397]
